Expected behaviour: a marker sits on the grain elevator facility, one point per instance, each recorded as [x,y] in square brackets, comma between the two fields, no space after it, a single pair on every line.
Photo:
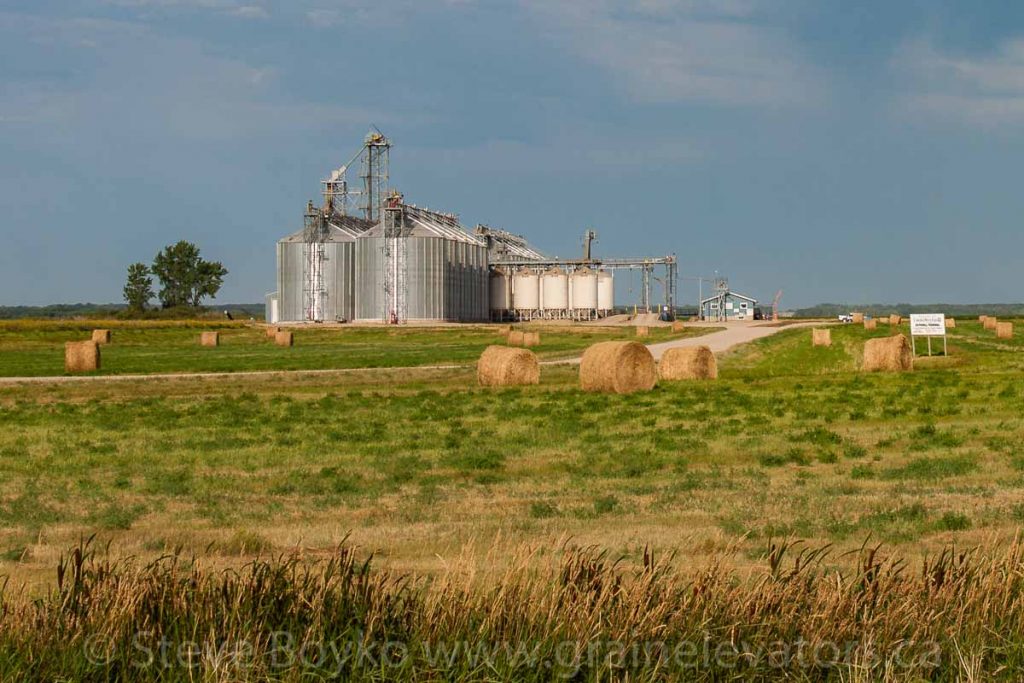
[366,255]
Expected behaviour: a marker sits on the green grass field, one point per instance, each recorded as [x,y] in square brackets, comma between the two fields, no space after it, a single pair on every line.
[35,348]
[792,440]
[421,466]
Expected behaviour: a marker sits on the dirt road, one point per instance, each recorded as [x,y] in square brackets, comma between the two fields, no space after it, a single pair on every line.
[723,340]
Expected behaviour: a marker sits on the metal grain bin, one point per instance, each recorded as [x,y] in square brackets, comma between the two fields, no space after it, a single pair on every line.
[271,312]
[554,290]
[526,290]
[445,273]
[584,289]
[337,285]
[501,291]
[605,290]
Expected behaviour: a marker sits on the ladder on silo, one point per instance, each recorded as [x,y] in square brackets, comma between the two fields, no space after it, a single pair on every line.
[313,256]
[395,265]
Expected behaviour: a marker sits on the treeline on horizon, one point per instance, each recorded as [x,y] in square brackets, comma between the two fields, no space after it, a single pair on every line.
[91,310]
[951,310]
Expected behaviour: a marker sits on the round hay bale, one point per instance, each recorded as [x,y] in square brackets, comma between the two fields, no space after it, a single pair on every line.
[694,362]
[504,330]
[991,322]
[950,323]
[1004,330]
[643,331]
[504,366]
[620,367]
[871,324]
[821,337]
[209,339]
[515,338]
[982,318]
[101,336]
[531,338]
[272,331]
[895,319]
[858,317]
[677,326]
[888,354]
[81,356]
[284,338]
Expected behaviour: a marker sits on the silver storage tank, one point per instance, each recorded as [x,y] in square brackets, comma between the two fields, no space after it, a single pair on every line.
[337,301]
[554,285]
[272,311]
[605,290]
[445,279]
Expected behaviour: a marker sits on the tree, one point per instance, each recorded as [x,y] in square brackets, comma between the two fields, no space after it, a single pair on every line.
[185,278]
[138,288]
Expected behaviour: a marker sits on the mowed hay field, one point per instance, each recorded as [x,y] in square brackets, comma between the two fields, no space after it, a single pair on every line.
[36,348]
[432,475]
[790,441]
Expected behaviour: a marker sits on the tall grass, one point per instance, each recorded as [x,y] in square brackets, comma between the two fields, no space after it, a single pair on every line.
[541,613]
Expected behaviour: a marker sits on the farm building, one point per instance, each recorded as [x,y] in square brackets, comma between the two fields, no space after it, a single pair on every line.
[398,262]
[726,304]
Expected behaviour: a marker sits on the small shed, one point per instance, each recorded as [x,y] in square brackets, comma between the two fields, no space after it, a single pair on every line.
[728,305]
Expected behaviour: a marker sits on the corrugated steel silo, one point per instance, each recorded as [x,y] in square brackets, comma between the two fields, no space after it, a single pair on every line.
[337,272]
[445,270]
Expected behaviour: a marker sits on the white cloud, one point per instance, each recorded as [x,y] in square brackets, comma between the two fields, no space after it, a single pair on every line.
[324,18]
[986,90]
[227,7]
[157,86]
[249,12]
[685,50]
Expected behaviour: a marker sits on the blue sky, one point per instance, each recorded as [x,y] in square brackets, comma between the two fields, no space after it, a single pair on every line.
[840,151]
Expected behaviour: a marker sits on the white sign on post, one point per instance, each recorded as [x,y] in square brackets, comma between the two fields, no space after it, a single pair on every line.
[928,325]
